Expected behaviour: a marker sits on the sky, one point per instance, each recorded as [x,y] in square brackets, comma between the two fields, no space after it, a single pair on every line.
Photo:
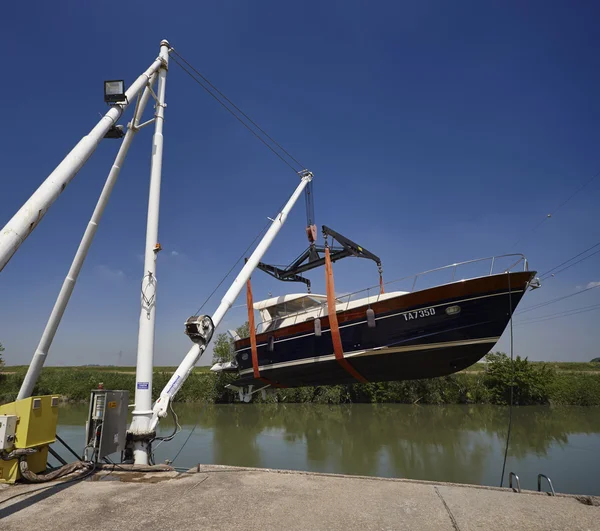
[437,132]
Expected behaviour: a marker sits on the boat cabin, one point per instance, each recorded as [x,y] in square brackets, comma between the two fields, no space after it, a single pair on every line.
[287,310]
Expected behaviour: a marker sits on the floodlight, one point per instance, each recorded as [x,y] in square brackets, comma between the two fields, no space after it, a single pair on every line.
[114,91]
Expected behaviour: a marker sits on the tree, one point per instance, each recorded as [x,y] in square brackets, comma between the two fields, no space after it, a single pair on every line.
[1,360]
[595,360]
[244,330]
[222,349]
[223,346]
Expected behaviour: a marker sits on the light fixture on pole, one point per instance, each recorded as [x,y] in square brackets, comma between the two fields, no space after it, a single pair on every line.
[114,91]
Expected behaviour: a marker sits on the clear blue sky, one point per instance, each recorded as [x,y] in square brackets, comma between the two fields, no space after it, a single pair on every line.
[437,132]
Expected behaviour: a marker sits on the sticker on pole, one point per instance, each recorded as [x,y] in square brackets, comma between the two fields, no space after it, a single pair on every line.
[143,385]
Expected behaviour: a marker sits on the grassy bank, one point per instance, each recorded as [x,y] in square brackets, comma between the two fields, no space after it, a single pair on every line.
[484,383]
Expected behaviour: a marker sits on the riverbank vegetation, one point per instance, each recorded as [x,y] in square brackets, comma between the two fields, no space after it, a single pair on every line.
[488,382]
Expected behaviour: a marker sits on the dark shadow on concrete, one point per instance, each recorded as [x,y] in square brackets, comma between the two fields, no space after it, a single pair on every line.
[39,495]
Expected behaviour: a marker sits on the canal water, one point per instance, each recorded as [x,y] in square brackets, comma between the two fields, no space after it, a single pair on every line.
[463,444]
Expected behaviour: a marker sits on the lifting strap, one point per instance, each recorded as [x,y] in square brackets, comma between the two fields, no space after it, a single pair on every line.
[333,322]
[252,326]
[381,290]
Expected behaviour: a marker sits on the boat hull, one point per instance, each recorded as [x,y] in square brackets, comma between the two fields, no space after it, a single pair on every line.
[424,334]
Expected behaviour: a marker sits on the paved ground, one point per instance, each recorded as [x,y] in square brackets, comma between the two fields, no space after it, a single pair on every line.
[240,498]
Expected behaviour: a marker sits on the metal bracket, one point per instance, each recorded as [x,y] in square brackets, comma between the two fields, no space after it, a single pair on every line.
[149,86]
[164,62]
[151,121]
[311,258]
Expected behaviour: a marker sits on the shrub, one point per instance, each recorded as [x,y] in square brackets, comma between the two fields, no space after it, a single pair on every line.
[531,383]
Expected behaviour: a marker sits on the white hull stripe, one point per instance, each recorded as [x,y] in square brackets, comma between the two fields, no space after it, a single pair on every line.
[383,317]
[374,352]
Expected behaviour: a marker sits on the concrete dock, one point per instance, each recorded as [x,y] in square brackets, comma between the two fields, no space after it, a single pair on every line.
[219,497]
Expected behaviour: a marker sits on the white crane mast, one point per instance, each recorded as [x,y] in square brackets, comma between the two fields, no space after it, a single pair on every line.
[41,352]
[142,413]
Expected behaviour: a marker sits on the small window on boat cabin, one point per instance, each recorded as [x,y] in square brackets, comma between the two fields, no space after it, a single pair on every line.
[294,306]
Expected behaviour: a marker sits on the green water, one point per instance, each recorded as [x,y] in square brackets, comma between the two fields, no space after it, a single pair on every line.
[462,444]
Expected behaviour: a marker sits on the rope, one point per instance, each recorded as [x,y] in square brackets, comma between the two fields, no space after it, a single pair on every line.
[333,322]
[252,328]
[512,384]
[253,347]
[148,301]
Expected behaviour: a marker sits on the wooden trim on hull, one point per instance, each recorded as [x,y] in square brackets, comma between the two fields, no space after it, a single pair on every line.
[425,298]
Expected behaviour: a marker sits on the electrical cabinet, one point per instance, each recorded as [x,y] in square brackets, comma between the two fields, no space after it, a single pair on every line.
[106,426]
[8,428]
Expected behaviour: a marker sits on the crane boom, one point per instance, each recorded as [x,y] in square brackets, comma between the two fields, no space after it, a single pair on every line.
[200,328]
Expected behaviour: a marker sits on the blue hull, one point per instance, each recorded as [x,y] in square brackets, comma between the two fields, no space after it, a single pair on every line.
[435,337]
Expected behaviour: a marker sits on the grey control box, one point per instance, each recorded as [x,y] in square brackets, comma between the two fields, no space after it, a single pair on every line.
[106,426]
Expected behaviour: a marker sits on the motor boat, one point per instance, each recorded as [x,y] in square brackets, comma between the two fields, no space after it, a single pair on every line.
[434,331]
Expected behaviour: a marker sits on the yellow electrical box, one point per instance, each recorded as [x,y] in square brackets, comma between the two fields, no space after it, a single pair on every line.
[37,417]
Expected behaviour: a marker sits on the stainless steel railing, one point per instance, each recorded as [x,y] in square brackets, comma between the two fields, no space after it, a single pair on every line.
[345,300]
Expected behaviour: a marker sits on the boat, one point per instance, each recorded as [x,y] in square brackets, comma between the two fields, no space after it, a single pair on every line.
[395,335]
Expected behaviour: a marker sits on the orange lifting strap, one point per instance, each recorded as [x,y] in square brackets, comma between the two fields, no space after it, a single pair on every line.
[381,290]
[251,325]
[333,322]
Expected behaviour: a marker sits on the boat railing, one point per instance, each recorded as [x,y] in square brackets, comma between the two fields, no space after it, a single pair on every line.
[488,266]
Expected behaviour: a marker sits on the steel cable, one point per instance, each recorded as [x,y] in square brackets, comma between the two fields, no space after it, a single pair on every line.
[236,116]
[239,110]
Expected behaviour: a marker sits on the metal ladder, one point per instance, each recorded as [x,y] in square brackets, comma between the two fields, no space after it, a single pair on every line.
[517,487]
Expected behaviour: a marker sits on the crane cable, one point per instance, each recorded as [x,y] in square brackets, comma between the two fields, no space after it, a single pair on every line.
[203,81]
[240,111]
[236,116]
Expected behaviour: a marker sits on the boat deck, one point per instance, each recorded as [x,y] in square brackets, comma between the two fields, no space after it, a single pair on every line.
[217,497]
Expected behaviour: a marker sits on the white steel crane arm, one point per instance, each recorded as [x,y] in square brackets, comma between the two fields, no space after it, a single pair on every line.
[206,324]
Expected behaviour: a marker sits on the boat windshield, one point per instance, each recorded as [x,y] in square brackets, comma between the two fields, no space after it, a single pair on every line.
[275,315]
[294,306]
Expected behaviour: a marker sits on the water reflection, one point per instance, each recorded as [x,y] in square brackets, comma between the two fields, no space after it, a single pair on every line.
[449,443]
